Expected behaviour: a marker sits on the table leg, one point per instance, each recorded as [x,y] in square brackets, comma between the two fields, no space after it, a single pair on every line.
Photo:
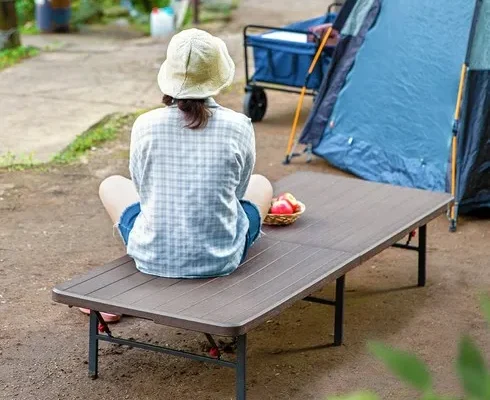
[241,367]
[93,346]
[339,310]
[422,249]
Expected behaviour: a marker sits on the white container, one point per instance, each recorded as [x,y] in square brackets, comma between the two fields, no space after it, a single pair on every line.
[287,36]
[162,22]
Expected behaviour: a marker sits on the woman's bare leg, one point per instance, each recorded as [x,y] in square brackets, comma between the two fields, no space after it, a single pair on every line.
[117,193]
[259,192]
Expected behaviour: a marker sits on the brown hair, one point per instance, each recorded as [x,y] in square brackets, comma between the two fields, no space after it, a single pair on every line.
[196,113]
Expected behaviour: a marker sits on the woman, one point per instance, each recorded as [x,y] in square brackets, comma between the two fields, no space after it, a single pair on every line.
[192,208]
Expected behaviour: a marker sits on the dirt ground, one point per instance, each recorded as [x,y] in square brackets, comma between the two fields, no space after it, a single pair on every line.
[52,226]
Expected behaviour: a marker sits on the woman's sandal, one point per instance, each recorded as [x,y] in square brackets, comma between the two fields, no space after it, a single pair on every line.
[105,316]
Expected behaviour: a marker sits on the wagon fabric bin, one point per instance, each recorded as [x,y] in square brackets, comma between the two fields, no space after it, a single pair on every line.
[285,62]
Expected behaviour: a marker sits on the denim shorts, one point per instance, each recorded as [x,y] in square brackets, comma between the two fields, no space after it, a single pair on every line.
[128,217]
[254,224]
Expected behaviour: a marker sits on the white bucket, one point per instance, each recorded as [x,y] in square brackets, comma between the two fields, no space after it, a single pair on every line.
[162,22]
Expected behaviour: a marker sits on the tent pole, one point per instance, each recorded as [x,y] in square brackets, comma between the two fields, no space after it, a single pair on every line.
[453,212]
[457,115]
[303,92]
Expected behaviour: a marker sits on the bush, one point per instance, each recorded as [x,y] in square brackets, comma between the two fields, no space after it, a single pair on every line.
[25,11]
[10,57]
[86,11]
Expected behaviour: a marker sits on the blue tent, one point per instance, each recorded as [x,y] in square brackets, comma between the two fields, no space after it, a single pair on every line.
[386,108]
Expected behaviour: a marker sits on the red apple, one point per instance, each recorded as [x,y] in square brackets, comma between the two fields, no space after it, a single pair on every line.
[291,200]
[281,207]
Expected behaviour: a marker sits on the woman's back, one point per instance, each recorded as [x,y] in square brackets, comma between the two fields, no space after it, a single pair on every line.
[193,207]
[190,182]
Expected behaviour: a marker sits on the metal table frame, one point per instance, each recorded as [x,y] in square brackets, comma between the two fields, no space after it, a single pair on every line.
[240,363]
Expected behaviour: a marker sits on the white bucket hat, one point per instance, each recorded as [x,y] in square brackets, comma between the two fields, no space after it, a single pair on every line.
[198,66]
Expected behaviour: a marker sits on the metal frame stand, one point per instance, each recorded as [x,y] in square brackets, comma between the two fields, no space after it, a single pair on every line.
[422,250]
[338,303]
[97,323]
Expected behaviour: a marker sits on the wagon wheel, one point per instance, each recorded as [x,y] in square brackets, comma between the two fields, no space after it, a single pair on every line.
[255,104]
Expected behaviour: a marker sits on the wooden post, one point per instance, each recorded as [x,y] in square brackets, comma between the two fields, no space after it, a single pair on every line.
[148,5]
[196,12]
[9,34]
[60,3]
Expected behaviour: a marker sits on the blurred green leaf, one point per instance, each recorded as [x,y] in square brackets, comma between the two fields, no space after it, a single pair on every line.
[472,370]
[357,396]
[431,396]
[404,365]
[485,305]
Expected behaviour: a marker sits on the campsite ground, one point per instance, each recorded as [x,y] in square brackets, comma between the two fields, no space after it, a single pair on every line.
[52,227]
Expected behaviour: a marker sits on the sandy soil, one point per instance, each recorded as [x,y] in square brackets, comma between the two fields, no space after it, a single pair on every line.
[53,227]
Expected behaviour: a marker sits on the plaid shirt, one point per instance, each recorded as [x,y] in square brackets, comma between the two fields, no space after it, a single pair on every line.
[190,181]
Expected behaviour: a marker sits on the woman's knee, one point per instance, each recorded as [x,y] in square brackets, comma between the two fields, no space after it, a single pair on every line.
[262,182]
[110,183]
[261,179]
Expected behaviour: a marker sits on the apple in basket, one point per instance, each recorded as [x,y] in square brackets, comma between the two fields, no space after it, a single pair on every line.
[291,200]
[281,207]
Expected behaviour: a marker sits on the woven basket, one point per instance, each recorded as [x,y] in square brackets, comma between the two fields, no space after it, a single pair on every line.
[284,219]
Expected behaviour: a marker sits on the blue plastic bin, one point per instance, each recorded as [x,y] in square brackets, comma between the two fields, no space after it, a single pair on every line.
[53,15]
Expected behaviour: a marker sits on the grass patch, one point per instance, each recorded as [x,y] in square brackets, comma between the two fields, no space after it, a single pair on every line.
[29,28]
[109,128]
[10,57]
[17,162]
[104,131]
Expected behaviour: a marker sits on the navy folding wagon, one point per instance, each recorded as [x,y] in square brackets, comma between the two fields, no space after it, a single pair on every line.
[282,57]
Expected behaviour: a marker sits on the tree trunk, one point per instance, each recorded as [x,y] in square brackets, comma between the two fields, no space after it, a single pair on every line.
[148,6]
[9,34]
[60,3]
[195,14]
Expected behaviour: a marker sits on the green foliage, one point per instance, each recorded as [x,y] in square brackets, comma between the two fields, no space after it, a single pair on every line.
[103,11]
[86,11]
[29,28]
[473,373]
[405,365]
[10,57]
[146,6]
[25,11]
[486,307]
[17,162]
[115,12]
